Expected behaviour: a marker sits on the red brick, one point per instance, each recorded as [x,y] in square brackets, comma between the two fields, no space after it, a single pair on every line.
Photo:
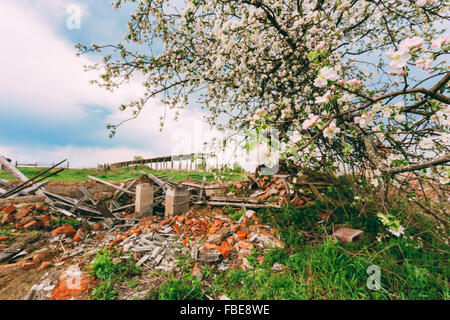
[245,245]
[28,264]
[39,207]
[22,213]
[31,225]
[177,228]
[211,246]
[45,221]
[9,209]
[265,196]
[25,220]
[8,218]
[3,238]
[97,226]
[166,221]
[242,235]
[45,264]
[225,251]
[64,229]
[213,230]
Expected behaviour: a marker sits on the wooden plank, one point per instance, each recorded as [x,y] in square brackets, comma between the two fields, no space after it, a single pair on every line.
[12,170]
[123,208]
[27,191]
[194,185]
[111,185]
[20,200]
[238,204]
[200,196]
[235,199]
[128,188]
[79,203]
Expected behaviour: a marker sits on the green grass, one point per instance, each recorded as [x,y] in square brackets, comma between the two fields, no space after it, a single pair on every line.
[316,266]
[120,174]
[328,271]
[188,288]
[65,220]
[109,272]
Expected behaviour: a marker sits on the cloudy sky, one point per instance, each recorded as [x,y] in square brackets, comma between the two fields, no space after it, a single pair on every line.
[48,109]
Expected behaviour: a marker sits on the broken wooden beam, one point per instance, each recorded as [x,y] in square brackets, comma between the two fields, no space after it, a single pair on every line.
[13,171]
[111,185]
[21,200]
[238,204]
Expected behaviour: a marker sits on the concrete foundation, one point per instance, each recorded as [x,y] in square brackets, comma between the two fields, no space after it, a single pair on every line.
[144,200]
[177,201]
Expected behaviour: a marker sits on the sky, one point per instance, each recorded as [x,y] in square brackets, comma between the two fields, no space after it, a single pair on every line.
[48,109]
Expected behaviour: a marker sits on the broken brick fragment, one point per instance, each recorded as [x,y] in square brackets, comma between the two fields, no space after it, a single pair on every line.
[9,209]
[45,264]
[225,250]
[211,246]
[242,235]
[3,238]
[230,240]
[97,226]
[265,196]
[64,229]
[31,225]
[44,221]
[7,218]
[165,221]
[177,228]
[197,272]
[22,213]
[213,230]
[245,245]
[347,234]
[28,264]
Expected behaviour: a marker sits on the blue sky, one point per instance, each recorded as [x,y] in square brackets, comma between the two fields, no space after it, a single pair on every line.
[48,109]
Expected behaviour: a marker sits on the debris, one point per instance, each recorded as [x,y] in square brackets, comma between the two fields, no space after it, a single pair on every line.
[347,234]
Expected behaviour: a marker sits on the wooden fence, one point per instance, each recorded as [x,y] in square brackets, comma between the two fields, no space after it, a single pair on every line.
[40,165]
[173,162]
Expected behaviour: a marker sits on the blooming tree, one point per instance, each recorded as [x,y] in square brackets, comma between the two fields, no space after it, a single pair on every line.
[349,84]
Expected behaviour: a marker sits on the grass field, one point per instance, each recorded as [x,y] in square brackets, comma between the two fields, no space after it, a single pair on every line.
[120,174]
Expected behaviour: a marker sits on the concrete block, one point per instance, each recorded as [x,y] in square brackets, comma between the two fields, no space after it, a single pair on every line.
[177,201]
[144,199]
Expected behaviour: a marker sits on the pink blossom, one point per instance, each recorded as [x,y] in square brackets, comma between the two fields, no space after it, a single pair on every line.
[354,82]
[437,43]
[414,42]
[320,45]
[398,58]
[312,119]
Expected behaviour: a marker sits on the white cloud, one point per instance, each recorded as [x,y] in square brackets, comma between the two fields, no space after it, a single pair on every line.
[79,157]
[40,71]
[42,76]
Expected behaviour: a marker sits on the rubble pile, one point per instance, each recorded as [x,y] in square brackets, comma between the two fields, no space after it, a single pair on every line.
[150,219]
